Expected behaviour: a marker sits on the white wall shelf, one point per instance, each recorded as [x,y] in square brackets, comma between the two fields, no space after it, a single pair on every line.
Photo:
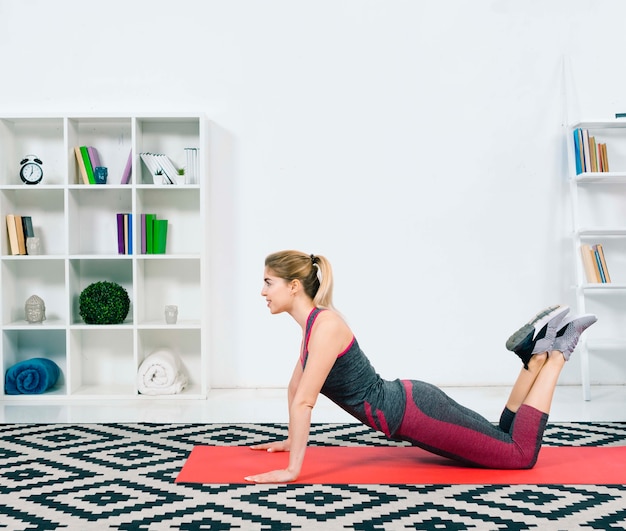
[598,216]
[78,229]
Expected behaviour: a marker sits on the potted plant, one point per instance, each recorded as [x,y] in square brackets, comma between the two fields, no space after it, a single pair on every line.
[104,302]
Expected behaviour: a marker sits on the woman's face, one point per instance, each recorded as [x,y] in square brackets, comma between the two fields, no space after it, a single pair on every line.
[277,292]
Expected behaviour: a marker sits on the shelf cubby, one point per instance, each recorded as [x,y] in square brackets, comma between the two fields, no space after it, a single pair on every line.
[23,277]
[24,136]
[102,361]
[24,344]
[185,344]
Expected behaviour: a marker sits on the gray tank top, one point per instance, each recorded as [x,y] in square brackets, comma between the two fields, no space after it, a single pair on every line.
[355,386]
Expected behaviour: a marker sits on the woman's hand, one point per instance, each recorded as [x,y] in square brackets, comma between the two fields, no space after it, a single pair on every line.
[278,446]
[275,476]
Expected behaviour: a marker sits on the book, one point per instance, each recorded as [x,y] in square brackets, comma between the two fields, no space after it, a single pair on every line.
[129,228]
[27,227]
[603,267]
[161,161]
[577,151]
[125,222]
[596,255]
[160,236]
[191,168]
[120,233]
[589,154]
[586,157]
[150,233]
[128,169]
[589,263]
[124,233]
[605,158]
[149,162]
[21,240]
[593,154]
[88,167]
[12,232]
[81,165]
[94,157]
[142,229]
[160,165]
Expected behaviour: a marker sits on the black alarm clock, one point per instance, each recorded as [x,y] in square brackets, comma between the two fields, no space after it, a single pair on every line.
[31,171]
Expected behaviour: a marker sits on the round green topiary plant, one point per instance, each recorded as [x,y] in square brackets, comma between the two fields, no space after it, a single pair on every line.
[104,303]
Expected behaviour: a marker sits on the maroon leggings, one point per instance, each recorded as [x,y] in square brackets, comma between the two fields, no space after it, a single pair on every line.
[435,422]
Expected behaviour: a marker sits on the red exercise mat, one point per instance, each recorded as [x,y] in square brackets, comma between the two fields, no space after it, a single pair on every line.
[404,465]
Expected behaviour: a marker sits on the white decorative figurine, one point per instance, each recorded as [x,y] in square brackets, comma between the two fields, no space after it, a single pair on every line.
[35,309]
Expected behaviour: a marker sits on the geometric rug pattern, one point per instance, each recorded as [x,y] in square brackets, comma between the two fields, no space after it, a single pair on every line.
[121,477]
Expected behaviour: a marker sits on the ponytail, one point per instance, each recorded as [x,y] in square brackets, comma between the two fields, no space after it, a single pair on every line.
[324,295]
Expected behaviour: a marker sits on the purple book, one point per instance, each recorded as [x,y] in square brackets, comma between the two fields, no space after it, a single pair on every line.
[120,234]
[144,248]
[128,169]
[94,157]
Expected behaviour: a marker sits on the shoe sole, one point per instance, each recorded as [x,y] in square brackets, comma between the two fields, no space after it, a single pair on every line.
[533,327]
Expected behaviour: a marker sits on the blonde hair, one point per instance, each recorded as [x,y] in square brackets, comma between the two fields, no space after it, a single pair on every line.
[313,271]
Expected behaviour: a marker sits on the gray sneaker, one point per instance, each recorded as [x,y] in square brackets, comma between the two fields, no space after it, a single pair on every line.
[538,334]
[569,333]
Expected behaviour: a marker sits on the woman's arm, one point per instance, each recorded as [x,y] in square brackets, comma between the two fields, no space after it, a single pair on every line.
[329,337]
[283,446]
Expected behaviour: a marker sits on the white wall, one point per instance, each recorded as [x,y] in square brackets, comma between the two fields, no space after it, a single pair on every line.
[418,145]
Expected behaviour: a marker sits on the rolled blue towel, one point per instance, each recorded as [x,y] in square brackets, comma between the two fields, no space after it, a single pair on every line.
[31,377]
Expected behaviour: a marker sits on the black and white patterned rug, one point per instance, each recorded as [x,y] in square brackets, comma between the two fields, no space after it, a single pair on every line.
[121,476]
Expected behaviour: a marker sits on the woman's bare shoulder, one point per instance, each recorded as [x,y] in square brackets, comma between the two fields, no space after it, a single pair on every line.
[332,321]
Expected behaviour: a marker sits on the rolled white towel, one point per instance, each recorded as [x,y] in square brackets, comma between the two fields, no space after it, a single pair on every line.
[161,373]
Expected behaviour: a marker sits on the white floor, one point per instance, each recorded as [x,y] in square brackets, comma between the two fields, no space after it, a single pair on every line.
[608,403]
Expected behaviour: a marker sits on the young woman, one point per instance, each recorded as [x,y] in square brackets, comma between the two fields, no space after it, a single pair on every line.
[332,363]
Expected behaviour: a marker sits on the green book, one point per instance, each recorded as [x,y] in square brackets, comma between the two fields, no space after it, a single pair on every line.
[88,167]
[160,236]
[149,233]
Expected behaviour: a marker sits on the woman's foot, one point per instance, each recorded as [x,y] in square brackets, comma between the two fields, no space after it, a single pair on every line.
[569,333]
[538,335]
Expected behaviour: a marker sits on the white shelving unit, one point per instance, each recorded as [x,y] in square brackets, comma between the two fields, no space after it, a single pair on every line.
[78,229]
[599,216]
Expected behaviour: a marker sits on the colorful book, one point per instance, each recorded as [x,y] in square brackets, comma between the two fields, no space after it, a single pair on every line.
[590,265]
[125,222]
[27,227]
[12,232]
[129,229]
[589,154]
[599,250]
[93,157]
[160,236]
[21,240]
[150,233]
[577,156]
[81,165]
[586,156]
[593,152]
[128,169]
[598,266]
[142,229]
[88,167]
[120,234]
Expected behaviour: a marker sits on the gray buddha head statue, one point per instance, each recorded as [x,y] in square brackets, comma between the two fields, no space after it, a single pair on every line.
[35,309]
